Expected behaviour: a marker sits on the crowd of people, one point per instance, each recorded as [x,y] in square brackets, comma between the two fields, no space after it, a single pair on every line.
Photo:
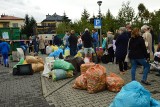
[137,43]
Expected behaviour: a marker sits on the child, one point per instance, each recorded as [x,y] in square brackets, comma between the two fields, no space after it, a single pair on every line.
[5,50]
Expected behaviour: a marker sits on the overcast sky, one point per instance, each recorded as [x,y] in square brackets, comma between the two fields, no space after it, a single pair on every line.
[73,8]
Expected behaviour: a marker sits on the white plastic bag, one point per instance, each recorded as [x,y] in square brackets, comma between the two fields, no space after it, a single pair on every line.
[86,60]
[46,71]
[48,50]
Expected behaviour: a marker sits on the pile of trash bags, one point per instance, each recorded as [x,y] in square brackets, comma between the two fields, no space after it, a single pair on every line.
[93,78]
[114,82]
[134,94]
[57,69]
[36,62]
[50,49]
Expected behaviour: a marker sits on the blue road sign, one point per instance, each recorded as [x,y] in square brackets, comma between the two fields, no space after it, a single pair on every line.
[97,23]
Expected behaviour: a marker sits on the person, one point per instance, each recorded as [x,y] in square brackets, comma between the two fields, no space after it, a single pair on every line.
[114,45]
[65,39]
[41,45]
[23,45]
[79,44]
[73,43]
[56,40]
[121,49]
[129,30]
[104,42]
[138,54]
[87,43]
[110,38]
[95,39]
[153,36]
[35,43]
[1,54]
[5,48]
[30,44]
[148,40]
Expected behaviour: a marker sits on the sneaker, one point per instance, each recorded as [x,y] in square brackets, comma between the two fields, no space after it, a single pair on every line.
[8,65]
[145,82]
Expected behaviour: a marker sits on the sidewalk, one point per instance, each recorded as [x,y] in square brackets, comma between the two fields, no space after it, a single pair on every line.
[20,91]
[33,91]
[61,93]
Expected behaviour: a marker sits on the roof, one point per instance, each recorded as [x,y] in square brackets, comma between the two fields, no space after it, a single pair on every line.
[53,17]
[10,18]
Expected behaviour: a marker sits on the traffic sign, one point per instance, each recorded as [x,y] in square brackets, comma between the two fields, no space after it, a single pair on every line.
[97,23]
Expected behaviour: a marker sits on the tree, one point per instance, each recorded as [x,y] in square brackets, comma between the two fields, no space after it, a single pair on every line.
[108,22]
[155,22]
[91,20]
[65,18]
[141,9]
[126,14]
[85,15]
[30,26]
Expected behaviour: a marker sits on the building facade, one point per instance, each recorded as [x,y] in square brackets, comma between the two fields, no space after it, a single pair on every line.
[11,21]
[48,25]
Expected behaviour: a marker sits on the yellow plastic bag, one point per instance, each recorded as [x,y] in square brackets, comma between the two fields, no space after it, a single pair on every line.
[25,62]
[54,48]
[78,55]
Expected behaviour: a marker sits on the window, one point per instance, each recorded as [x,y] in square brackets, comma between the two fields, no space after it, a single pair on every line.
[15,24]
[5,25]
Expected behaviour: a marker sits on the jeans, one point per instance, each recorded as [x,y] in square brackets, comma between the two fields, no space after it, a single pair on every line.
[95,44]
[79,47]
[5,58]
[73,50]
[146,68]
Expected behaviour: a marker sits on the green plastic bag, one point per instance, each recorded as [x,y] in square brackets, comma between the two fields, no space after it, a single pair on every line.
[19,63]
[58,74]
[61,64]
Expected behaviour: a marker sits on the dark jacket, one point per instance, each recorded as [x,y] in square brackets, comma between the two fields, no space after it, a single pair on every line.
[72,40]
[137,48]
[121,45]
[4,47]
[56,41]
[87,40]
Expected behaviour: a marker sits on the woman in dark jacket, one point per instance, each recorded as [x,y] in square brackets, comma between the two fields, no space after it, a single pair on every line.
[138,55]
[121,49]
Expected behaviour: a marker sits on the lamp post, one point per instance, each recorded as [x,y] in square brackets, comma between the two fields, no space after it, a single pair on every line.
[99,3]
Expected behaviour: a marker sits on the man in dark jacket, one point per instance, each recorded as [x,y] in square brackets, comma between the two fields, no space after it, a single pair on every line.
[56,40]
[73,43]
[121,49]
[87,43]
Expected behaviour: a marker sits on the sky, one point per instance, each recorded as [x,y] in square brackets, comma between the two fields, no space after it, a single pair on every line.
[73,8]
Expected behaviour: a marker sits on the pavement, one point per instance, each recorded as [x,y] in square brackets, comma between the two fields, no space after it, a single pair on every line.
[61,93]
[38,91]
[20,91]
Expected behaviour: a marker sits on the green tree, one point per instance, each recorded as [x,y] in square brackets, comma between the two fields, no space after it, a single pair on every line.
[125,14]
[141,11]
[65,18]
[30,26]
[155,22]
[85,15]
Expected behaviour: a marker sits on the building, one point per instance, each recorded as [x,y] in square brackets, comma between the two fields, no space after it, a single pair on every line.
[48,25]
[11,21]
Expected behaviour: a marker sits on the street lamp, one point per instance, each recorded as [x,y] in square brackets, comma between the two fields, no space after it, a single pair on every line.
[99,3]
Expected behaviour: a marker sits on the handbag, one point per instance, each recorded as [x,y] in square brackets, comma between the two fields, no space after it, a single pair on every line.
[127,57]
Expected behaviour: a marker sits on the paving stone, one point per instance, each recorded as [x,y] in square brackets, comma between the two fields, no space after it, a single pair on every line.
[81,98]
[20,91]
